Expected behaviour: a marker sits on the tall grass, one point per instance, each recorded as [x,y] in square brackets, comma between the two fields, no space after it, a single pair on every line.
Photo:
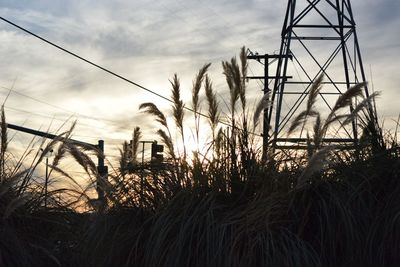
[38,226]
[276,213]
[225,207]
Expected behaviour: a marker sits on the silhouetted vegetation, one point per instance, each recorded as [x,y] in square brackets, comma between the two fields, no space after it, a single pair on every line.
[227,206]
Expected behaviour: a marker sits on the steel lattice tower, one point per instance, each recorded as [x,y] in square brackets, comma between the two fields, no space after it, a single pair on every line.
[318,37]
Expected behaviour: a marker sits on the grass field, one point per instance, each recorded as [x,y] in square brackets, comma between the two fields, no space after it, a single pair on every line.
[226,207]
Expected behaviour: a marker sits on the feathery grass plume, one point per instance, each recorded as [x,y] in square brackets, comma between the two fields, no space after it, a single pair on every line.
[82,158]
[160,117]
[314,91]
[361,106]
[124,158]
[219,143]
[60,153]
[65,174]
[136,136]
[152,109]
[40,155]
[244,65]
[301,119]
[314,165]
[309,112]
[233,79]
[262,105]
[227,72]
[317,132]
[64,142]
[372,135]
[345,100]
[197,82]
[168,142]
[178,108]
[3,143]
[213,106]
[237,79]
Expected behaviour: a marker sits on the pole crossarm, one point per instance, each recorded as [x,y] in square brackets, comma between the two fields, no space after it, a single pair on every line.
[51,136]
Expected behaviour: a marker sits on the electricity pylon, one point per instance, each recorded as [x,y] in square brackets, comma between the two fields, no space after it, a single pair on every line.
[318,37]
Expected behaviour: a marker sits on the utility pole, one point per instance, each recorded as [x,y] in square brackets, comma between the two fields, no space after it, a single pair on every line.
[142,177]
[265,60]
[155,158]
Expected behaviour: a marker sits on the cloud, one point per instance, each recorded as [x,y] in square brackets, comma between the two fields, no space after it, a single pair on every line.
[147,42]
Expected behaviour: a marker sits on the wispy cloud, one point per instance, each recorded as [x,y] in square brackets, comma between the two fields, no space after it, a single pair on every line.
[148,41]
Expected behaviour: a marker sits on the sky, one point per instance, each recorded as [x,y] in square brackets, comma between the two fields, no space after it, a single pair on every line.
[147,42]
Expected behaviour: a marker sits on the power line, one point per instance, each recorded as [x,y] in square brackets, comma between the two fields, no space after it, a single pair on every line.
[90,62]
[104,69]
[51,105]
[71,113]
[57,107]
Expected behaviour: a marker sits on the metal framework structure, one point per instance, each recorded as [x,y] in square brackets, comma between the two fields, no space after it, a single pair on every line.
[318,37]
